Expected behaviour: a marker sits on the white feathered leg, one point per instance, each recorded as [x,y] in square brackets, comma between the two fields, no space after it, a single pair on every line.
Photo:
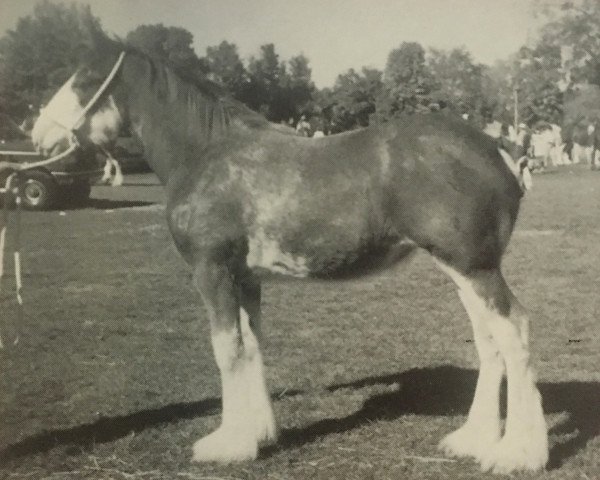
[501,329]
[481,431]
[247,416]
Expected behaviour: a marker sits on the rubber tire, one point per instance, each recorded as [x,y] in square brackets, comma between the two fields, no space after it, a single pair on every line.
[39,190]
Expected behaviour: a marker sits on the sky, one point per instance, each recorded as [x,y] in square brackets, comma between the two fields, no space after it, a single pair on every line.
[335,35]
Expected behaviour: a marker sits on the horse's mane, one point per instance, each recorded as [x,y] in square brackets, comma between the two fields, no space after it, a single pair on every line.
[200,97]
[200,91]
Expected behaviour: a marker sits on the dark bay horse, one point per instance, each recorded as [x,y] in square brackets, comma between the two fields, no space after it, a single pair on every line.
[245,195]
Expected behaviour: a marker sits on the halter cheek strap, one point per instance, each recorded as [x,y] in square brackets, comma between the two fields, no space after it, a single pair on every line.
[98,94]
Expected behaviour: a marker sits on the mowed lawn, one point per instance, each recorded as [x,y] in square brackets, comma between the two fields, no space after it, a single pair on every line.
[113,375]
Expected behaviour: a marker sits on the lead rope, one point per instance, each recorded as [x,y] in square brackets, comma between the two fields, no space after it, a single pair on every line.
[7,191]
[17,255]
[3,227]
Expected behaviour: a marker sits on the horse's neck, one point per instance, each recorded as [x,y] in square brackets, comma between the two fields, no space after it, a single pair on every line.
[171,132]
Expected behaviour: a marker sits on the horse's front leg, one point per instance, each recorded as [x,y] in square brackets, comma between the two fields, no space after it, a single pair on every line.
[233,304]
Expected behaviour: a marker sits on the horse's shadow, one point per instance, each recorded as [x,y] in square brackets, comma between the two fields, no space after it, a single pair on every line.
[443,390]
[448,391]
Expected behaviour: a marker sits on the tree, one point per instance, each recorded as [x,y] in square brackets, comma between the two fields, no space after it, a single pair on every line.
[458,81]
[497,91]
[582,105]
[574,30]
[226,66]
[538,80]
[41,53]
[352,101]
[407,82]
[299,71]
[265,80]
[297,93]
[278,89]
[535,74]
[173,45]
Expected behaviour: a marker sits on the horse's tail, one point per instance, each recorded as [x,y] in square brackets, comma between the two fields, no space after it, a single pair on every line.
[519,168]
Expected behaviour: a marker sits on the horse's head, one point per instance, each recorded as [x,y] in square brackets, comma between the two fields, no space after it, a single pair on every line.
[83,110]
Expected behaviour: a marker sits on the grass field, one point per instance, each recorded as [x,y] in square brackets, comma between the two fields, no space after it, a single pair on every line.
[113,375]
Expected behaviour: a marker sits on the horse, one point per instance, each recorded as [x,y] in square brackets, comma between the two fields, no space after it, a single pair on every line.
[245,196]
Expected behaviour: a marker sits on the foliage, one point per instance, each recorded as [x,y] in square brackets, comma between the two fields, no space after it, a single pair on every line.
[279,90]
[44,48]
[226,67]
[565,62]
[458,81]
[574,29]
[538,80]
[565,55]
[412,83]
[497,92]
[534,72]
[266,74]
[40,54]
[297,84]
[582,104]
[407,80]
[352,100]
[171,44]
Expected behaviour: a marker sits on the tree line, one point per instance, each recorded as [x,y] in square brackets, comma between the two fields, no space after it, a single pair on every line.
[555,76]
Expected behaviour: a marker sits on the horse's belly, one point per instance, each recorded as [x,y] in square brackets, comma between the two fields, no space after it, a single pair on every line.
[325,259]
[268,254]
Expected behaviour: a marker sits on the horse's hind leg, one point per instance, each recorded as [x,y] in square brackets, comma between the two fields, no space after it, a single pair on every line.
[233,305]
[482,429]
[501,330]
[250,312]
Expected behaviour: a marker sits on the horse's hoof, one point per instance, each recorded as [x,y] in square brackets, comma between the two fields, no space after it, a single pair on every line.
[225,446]
[515,454]
[468,441]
